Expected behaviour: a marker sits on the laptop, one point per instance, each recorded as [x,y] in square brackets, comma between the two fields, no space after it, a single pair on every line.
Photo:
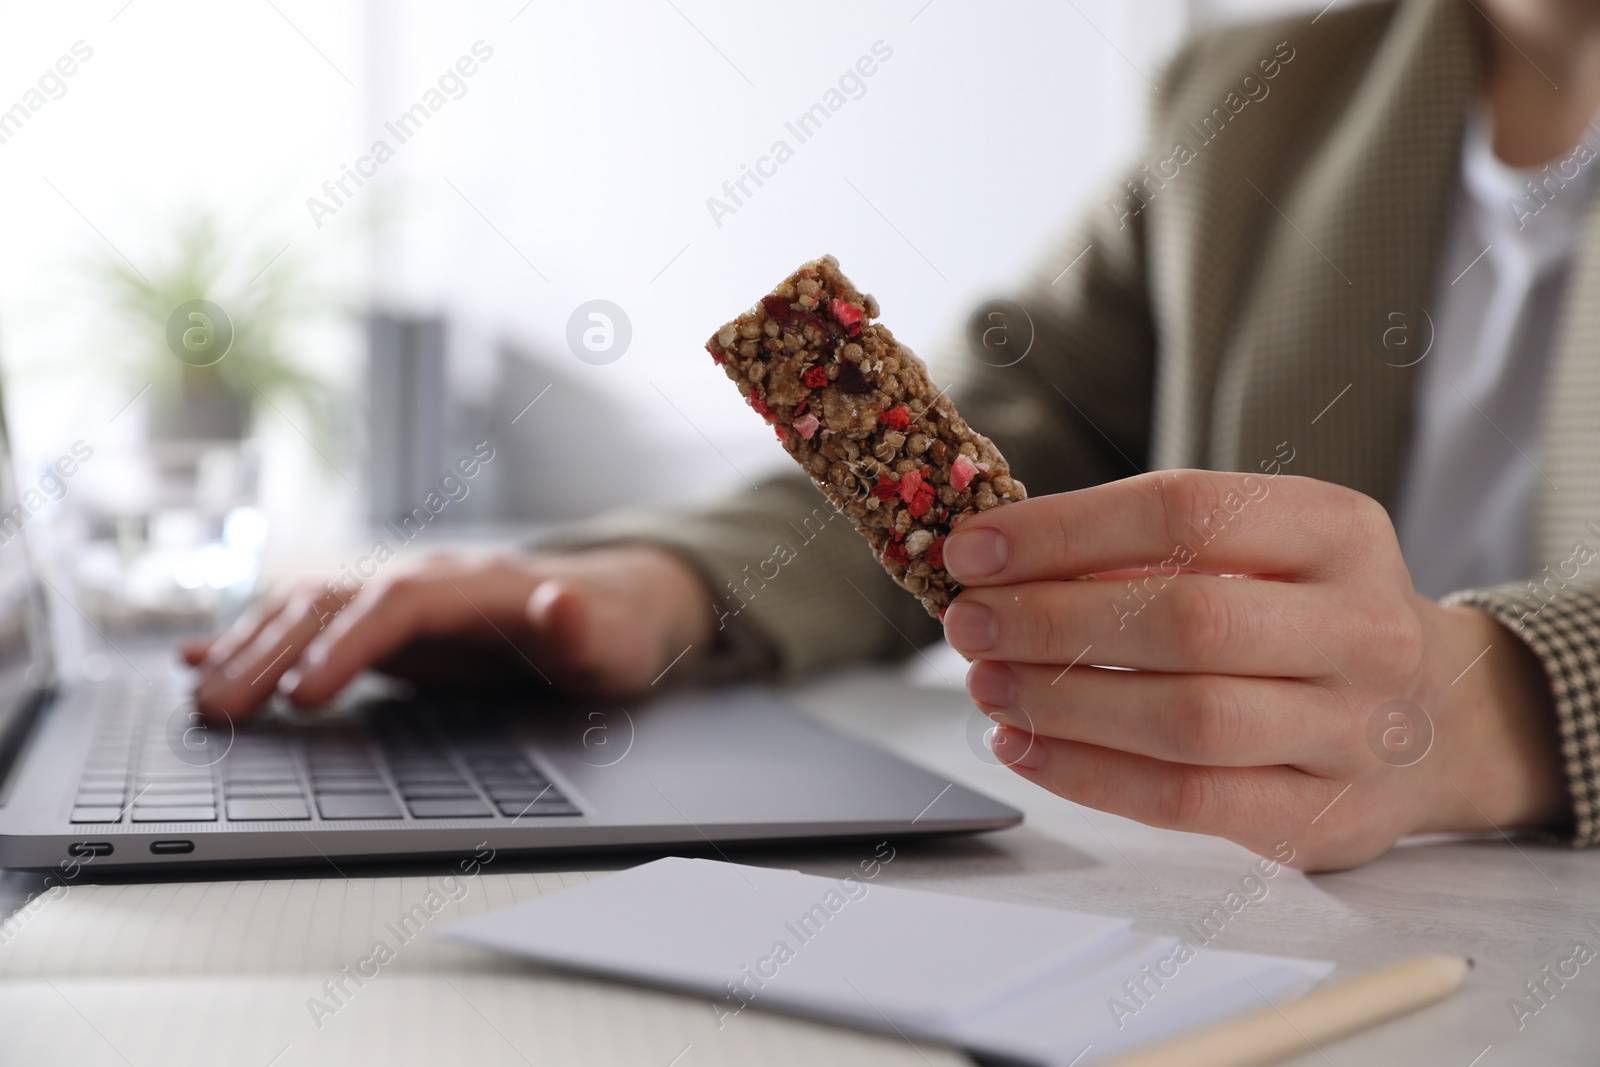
[122,773]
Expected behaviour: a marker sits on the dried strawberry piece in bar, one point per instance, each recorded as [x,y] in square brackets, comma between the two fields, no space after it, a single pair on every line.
[896,418]
[856,410]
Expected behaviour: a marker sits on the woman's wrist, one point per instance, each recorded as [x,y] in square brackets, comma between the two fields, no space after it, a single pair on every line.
[1503,768]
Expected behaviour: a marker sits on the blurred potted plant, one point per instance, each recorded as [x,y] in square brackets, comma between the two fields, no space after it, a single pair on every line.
[208,333]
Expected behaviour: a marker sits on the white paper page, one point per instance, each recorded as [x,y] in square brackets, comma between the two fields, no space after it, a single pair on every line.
[1030,984]
[853,951]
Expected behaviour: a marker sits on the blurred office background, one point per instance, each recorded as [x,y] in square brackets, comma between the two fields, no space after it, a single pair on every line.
[562,154]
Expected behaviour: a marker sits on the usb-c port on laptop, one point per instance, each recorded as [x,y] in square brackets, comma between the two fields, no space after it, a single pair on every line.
[171,848]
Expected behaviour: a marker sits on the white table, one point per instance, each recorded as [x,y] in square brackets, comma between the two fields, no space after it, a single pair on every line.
[1514,909]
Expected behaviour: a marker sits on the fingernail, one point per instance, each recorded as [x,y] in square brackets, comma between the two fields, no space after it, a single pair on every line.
[1016,748]
[991,682]
[975,553]
[969,626]
[290,681]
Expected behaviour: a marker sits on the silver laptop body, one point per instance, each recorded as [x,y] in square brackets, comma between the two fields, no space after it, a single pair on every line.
[121,772]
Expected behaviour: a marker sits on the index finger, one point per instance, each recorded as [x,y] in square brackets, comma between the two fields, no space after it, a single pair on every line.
[1214,521]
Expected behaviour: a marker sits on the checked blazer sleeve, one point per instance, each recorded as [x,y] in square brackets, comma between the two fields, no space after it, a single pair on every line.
[1564,633]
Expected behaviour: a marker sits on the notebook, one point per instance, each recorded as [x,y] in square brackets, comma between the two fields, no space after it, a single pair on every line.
[1025,984]
[265,972]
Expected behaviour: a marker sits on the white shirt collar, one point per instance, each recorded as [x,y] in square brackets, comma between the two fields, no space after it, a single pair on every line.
[1546,211]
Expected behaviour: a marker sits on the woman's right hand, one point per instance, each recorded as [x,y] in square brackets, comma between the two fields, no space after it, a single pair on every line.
[603,621]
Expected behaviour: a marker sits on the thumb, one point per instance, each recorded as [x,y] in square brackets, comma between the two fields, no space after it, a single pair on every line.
[594,639]
[559,615]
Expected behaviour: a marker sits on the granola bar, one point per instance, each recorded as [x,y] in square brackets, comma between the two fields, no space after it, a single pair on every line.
[856,410]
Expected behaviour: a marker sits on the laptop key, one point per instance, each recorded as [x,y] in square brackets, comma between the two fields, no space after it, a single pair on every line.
[437,792]
[177,800]
[506,778]
[322,786]
[440,777]
[522,793]
[263,808]
[520,809]
[263,789]
[358,806]
[168,788]
[503,770]
[197,813]
[97,814]
[266,775]
[462,808]
[343,772]
[99,800]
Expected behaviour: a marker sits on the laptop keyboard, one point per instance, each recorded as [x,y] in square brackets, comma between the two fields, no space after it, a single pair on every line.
[143,767]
